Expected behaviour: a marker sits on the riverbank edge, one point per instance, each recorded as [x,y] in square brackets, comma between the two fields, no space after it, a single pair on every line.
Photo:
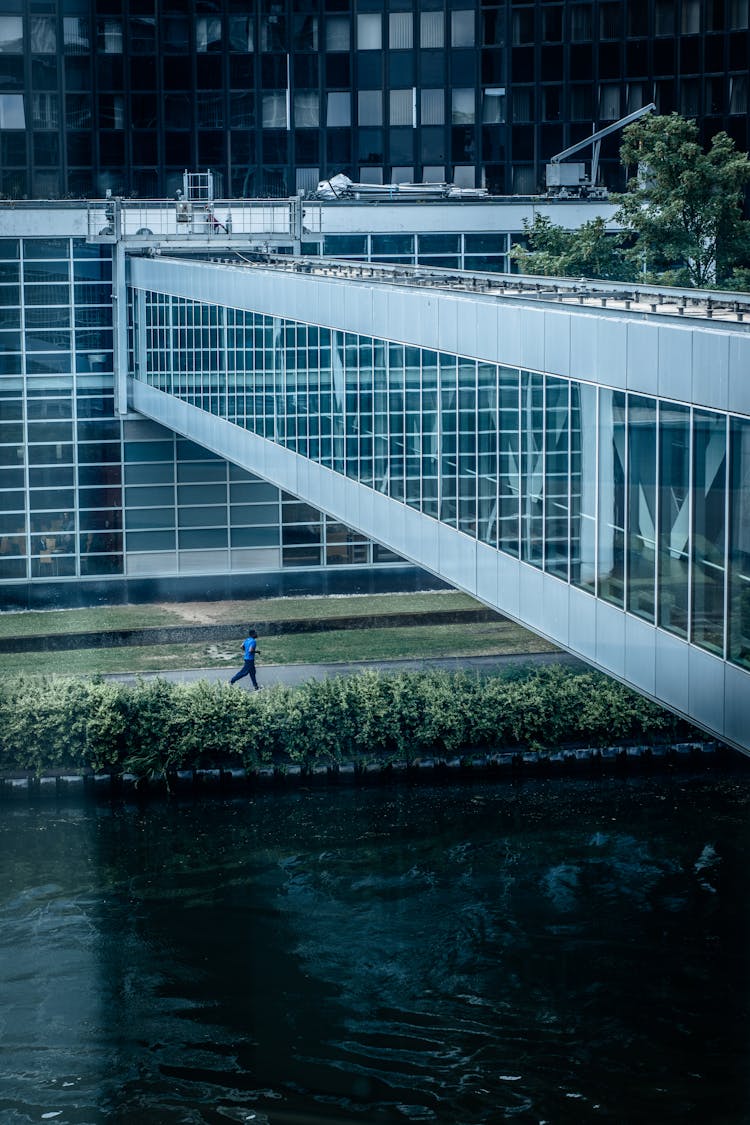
[231,781]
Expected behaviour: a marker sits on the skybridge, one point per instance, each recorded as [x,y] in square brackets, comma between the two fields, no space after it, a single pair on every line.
[574,454]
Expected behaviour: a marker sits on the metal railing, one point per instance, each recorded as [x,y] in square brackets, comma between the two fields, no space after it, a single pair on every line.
[158,220]
[711,304]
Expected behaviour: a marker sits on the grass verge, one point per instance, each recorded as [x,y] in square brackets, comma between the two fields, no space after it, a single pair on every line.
[333,646]
[39,623]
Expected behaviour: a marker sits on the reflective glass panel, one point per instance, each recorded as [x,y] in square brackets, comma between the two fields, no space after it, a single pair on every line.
[611,549]
[674,517]
[739,543]
[641,518]
[709,529]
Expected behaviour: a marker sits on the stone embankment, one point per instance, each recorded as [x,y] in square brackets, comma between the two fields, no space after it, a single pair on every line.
[588,761]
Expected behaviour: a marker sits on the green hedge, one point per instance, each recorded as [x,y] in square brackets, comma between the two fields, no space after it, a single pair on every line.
[157,725]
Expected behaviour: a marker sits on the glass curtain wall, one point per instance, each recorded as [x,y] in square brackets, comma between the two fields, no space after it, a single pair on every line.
[641,502]
[739,543]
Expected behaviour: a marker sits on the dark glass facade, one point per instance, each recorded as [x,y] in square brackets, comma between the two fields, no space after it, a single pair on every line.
[277,94]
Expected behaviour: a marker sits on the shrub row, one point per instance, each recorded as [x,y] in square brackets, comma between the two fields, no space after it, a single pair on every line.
[156,726]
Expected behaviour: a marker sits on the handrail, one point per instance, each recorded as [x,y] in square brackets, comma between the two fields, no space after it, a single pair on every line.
[711,304]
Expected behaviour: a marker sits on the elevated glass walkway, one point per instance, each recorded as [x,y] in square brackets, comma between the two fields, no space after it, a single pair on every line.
[576,458]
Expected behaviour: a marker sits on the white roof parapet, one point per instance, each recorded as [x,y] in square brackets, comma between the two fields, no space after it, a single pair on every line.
[706,304]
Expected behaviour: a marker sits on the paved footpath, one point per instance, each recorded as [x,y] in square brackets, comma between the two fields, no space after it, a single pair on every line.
[298,673]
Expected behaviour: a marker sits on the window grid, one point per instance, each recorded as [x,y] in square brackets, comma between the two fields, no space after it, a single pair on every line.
[501,454]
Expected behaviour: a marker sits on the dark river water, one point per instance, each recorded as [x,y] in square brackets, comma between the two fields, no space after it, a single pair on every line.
[560,952]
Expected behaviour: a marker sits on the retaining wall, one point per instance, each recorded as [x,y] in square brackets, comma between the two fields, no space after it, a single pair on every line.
[589,761]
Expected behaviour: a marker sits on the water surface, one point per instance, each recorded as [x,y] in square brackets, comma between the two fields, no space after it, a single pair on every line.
[559,951]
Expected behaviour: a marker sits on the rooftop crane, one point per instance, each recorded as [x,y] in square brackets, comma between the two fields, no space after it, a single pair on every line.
[566,180]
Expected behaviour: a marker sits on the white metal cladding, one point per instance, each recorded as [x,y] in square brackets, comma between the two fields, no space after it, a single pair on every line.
[708,364]
[643,355]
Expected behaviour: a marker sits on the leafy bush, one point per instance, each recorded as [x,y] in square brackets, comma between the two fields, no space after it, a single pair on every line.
[155,726]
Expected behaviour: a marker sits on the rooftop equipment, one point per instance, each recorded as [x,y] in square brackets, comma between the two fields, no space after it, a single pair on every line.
[570,181]
[341,187]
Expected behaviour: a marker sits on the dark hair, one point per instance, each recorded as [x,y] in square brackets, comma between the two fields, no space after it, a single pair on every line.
[251,633]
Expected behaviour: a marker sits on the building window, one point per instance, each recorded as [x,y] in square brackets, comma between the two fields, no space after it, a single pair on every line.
[76,35]
[274,110]
[208,34]
[462,28]
[690,97]
[610,21]
[305,33]
[580,23]
[12,114]
[691,17]
[112,111]
[552,25]
[432,30]
[369,32]
[338,33]
[523,103]
[551,103]
[77,111]
[242,111]
[433,107]
[109,36]
[306,109]
[143,35]
[42,35]
[175,34]
[609,102]
[241,34]
[738,94]
[370,107]
[522,26]
[738,14]
[402,107]
[400,31]
[664,17]
[463,108]
[339,110]
[715,95]
[11,35]
[493,27]
[45,112]
[637,96]
[493,106]
[178,111]
[210,111]
[273,32]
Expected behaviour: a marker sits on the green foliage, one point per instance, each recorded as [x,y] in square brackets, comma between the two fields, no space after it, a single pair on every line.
[155,726]
[685,206]
[681,216]
[59,722]
[587,252]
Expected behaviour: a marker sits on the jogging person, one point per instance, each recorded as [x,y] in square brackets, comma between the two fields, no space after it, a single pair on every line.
[249,649]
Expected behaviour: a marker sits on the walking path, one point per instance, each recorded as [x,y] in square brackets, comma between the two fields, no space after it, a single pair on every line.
[299,673]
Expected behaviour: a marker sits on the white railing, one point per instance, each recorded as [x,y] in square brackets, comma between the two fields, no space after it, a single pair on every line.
[711,304]
[157,220]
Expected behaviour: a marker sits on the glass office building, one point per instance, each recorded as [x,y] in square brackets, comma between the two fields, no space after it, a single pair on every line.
[95,505]
[275,95]
[638,500]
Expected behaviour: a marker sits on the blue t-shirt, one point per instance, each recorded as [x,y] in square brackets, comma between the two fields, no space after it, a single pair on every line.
[248,647]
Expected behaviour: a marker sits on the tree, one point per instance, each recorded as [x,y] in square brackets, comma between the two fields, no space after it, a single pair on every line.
[685,205]
[589,251]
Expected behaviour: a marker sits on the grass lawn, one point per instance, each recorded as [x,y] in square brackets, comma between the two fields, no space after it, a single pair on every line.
[38,623]
[333,646]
